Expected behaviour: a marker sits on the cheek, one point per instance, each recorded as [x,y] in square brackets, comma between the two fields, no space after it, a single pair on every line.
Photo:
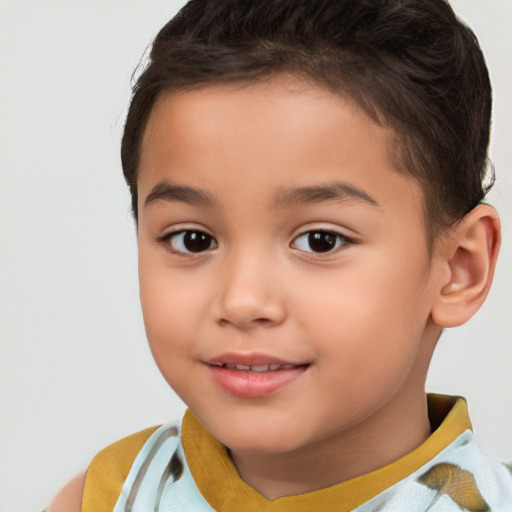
[168,324]
[366,316]
[169,307]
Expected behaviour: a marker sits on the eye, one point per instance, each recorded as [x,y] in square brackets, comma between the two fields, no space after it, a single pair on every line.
[319,241]
[190,241]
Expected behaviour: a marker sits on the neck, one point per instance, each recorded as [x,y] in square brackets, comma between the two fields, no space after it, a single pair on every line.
[361,449]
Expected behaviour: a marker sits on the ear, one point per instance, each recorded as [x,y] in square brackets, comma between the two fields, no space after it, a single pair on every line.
[468,255]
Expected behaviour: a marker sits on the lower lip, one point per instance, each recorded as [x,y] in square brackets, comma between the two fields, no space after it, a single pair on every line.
[251,384]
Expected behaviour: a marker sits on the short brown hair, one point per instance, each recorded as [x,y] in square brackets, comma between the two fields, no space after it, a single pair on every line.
[410,64]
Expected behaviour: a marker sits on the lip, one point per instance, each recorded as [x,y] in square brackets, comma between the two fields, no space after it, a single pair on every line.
[250,359]
[249,383]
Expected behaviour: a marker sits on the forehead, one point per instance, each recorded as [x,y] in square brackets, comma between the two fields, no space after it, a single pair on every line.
[286,106]
[282,131]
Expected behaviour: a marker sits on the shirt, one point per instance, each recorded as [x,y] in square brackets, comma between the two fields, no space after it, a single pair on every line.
[184,468]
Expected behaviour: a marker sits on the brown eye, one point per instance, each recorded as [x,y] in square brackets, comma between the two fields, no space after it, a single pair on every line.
[191,241]
[319,241]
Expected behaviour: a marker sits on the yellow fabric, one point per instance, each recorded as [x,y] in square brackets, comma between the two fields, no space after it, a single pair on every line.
[108,471]
[219,483]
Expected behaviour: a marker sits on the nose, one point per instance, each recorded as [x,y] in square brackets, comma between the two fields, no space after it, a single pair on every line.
[250,294]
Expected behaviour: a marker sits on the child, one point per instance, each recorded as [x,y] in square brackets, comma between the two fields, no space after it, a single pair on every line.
[307,181]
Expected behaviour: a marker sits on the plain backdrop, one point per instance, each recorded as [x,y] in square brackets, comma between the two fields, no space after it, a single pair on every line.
[76,373]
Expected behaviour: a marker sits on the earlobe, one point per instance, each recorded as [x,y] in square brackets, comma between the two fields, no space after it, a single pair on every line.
[469,253]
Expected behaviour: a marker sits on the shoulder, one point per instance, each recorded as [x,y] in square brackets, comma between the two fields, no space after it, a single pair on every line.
[108,471]
[98,488]
[69,498]
[119,456]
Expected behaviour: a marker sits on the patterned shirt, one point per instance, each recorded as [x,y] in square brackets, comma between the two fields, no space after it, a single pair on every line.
[184,468]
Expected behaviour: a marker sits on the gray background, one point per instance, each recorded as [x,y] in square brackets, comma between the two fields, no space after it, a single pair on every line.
[75,372]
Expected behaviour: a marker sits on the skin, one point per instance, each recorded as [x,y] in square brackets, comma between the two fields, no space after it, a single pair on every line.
[69,498]
[358,316]
[362,319]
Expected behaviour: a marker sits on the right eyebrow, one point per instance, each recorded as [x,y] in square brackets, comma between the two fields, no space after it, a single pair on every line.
[165,191]
[338,190]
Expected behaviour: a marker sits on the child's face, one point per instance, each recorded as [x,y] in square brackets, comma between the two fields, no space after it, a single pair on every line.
[275,230]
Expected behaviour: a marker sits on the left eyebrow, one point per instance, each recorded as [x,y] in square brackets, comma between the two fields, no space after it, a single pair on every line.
[338,190]
[165,191]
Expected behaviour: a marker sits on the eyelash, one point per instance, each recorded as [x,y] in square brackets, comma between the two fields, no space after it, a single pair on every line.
[169,237]
[322,237]
[332,244]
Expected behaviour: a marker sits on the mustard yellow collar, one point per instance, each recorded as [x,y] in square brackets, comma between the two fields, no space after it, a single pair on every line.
[218,481]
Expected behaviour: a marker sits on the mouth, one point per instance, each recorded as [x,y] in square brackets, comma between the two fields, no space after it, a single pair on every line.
[254,367]
[254,376]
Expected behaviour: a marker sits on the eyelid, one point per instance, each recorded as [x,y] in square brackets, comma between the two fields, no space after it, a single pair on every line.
[184,226]
[343,231]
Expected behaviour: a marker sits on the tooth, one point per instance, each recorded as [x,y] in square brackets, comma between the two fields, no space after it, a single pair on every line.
[262,368]
[274,366]
[231,366]
[216,364]
[242,367]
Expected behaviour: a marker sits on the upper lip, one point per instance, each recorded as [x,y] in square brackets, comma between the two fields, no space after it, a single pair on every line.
[250,359]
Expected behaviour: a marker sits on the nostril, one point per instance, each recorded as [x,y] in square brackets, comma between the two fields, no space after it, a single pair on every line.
[262,320]
[244,322]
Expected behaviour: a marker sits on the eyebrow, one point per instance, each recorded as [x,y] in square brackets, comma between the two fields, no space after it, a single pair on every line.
[338,190]
[165,191]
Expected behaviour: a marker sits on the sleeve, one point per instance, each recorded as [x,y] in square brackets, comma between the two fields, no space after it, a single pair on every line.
[108,471]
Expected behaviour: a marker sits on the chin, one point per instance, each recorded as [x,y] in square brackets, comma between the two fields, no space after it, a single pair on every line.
[262,445]
[261,440]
